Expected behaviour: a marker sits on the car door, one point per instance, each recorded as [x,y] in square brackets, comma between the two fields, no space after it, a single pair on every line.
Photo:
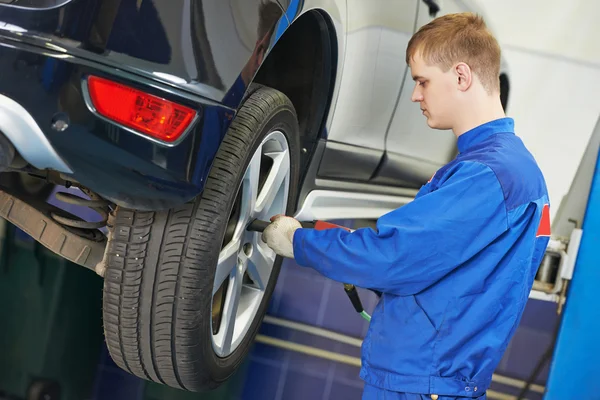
[377,33]
[413,150]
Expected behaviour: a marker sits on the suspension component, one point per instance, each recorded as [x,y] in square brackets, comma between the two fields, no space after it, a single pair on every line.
[95,202]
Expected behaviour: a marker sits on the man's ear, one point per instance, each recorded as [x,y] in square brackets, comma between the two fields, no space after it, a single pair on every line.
[464,76]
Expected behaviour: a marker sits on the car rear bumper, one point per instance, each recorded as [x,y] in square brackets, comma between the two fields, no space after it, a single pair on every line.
[37,84]
[23,132]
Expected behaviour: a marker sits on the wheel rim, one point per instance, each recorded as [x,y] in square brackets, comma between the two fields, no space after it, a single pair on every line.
[245,261]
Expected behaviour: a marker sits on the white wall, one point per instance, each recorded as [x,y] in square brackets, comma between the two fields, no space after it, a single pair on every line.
[553,48]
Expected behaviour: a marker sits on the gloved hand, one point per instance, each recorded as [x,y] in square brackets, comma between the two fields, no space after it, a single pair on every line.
[279,235]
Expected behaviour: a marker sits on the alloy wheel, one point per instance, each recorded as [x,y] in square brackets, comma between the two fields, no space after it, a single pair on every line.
[245,262]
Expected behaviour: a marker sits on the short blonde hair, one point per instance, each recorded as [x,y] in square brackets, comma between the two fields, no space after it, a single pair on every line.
[454,38]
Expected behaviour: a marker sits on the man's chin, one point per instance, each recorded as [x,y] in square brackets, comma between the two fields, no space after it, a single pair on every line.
[433,125]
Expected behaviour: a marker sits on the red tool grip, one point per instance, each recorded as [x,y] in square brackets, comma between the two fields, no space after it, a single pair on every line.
[322,225]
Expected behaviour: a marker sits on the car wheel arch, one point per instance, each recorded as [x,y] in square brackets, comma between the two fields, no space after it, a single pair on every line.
[302,65]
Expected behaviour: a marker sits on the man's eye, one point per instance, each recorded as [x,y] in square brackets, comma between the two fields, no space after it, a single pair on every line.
[420,83]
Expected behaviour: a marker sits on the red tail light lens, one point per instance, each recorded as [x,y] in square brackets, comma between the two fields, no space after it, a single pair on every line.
[156,117]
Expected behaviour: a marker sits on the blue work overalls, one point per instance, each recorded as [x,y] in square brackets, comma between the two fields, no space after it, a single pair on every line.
[455,267]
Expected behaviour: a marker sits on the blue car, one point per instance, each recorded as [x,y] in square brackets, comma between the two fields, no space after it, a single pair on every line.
[179,122]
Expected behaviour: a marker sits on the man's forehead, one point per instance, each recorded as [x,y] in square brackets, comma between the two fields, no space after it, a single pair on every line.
[416,64]
[417,71]
[421,70]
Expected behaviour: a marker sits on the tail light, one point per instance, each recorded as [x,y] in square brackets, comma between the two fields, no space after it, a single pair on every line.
[151,115]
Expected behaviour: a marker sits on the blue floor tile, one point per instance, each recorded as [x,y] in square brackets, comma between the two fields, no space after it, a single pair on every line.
[262,382]
[265,352]
[309,365]
[340,391]
[540,315]
[514,391]
[526,348]
[340,316]
[105,358]
[324,343]
[349,349]
[276,331]
[301,386]
[301,298]
[115,384]
[348,375]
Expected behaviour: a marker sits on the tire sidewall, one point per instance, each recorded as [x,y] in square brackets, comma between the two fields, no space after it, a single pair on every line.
[283,119]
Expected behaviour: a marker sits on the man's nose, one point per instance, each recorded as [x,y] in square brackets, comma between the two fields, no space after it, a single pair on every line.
[417,96]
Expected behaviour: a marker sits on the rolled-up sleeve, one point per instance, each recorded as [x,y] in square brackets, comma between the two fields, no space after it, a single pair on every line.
[418,244]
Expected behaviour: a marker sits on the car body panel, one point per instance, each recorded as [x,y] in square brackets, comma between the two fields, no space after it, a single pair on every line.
[25,135]
[171,42]
[376,34]
[126,168]
[370,76]
[413,150]
[336,12]
[45,56]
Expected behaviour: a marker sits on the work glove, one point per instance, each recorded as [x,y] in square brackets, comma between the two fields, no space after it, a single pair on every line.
[279,235]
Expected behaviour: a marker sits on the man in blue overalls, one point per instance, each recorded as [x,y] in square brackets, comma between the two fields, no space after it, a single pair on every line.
[456,265]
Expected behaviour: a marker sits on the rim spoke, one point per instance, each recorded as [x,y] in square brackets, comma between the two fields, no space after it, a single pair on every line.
[228,259]
[277,177]
[231,308]
[250,187]
[260,264]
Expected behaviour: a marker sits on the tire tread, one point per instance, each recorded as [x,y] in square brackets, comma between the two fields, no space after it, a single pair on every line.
[167,254]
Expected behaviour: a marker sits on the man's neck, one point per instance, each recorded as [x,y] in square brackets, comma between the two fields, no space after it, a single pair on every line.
[479,114]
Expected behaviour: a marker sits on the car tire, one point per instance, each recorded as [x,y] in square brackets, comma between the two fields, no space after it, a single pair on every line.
[162,290]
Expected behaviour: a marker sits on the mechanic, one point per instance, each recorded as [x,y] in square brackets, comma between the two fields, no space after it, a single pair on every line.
[455,266]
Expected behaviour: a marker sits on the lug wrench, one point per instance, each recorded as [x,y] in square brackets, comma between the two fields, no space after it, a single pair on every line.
[259,226]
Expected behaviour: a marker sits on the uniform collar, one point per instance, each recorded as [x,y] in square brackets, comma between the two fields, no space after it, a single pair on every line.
[482,132]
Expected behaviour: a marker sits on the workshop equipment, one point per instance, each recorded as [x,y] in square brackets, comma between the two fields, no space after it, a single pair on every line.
[577,225]
[259,226]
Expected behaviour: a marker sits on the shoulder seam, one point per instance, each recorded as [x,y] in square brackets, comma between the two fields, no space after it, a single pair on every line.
[499,183]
